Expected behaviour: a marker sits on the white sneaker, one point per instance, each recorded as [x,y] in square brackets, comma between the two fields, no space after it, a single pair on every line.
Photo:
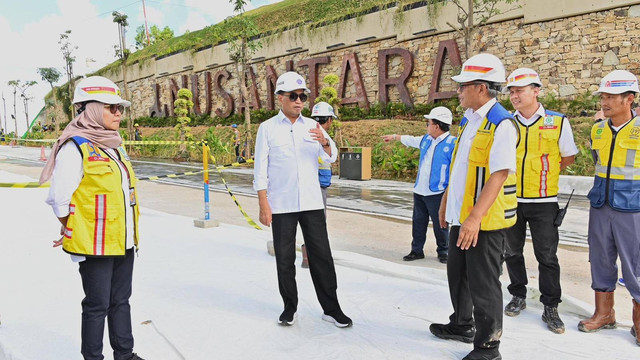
[287,322]
[341,324]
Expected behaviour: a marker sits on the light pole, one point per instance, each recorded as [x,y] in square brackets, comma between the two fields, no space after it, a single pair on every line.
[15,123]
[4,102]
[25,101]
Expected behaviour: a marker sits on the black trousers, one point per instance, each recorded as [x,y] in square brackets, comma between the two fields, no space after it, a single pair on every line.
[107,287]
[474,286]
[323,273]
[545,239]
[425,208]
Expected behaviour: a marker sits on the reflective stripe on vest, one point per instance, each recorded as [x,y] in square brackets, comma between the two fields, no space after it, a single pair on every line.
[617,180]
[625,160]
[502,213]
[440,162]
[324,173]
[538,157]
[97,224]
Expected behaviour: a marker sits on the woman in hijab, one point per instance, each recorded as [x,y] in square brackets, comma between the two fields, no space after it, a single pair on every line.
[93,194]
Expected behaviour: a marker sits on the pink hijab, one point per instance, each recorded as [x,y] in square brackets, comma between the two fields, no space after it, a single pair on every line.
[89,125]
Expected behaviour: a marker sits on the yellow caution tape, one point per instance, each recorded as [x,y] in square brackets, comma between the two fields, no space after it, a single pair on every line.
[32,140]
[244,213]
[150,142]
[25,185]
[219,167]
[235,164]
[171,175]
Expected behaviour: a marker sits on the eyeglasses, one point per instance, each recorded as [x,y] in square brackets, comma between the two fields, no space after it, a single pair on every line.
[293,96]
[322,119]
[462,86]
[114,108]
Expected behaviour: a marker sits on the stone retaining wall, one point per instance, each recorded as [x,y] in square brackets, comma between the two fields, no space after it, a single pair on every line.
[571,54]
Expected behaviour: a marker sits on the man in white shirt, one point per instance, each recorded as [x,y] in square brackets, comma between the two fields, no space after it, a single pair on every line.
[436,148]
[479,205]
[286,178]
[546,147]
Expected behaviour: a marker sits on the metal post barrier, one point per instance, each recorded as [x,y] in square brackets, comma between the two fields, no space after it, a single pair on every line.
[207,222]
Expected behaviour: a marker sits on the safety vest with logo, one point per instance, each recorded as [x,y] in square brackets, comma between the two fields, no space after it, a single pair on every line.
[97,223]
[502,213]
[324,173]
[617,157]
[440,162]
[538,157]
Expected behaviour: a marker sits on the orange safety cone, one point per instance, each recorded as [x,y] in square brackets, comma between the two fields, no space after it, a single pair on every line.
[43,157]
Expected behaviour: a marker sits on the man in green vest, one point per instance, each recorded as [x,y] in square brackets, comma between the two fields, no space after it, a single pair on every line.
[614,217]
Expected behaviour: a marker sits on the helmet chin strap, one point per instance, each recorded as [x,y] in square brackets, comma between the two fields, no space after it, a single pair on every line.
[83,107]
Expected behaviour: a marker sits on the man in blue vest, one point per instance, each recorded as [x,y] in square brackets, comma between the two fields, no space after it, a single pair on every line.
[323,113]
[436,147]
[614,217]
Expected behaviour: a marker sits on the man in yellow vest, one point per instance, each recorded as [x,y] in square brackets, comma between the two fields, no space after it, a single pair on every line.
[614,217]
[546,146]
[480,205]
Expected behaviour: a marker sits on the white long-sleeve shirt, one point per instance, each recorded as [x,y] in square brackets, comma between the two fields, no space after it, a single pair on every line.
[68,173]
[424,167]
[286,164]
[501,156]
[566,144]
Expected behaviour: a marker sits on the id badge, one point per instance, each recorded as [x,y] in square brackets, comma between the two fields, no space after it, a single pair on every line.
[132,196]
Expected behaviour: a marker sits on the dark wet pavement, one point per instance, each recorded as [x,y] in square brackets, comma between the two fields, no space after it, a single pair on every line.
[376,197]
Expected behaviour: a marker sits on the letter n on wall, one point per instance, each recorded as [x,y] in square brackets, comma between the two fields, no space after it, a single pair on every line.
[450,48]
[350,61]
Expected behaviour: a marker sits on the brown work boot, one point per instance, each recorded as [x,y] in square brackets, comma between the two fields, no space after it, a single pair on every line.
[604,316]
[635,329]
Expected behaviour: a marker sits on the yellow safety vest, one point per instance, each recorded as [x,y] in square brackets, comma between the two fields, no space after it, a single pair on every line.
[538,157]
[97,223]
[617,157]
[502,213]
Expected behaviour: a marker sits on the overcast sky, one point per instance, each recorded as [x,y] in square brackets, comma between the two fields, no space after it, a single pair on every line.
[30,31]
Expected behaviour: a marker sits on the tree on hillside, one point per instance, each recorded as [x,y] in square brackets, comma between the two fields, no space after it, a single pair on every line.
[329,94]
[67,54]
[22,87]
[239,33]
[182,106]
[123,53]
[14,84]
[472,15]
[155,35]
[51,75]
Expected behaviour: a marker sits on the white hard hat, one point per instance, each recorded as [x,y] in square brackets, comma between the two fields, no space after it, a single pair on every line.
[618,82]
[98,88]
[290,81]
[523,77]
[441,114]
[485,67]
[323,109]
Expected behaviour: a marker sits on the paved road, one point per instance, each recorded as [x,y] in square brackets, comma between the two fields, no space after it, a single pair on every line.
[377,197]
[379,236]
